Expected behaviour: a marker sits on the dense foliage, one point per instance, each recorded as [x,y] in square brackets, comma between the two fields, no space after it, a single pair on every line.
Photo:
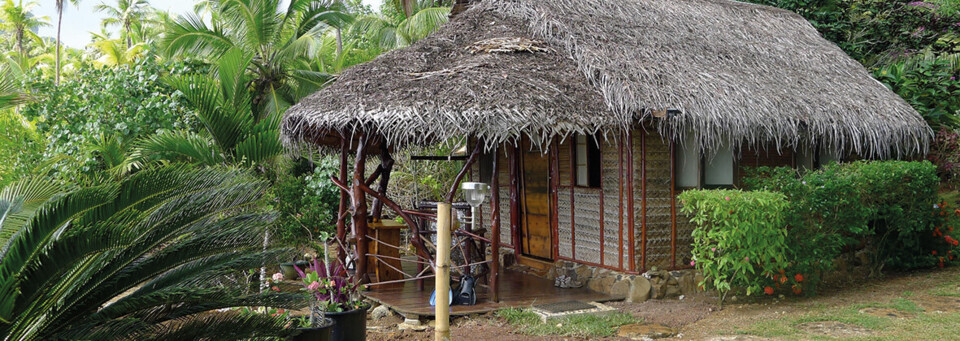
[912,46]
[127,103]
[740,237]
[154,256]
[307,202]
[890,207]
[800,223]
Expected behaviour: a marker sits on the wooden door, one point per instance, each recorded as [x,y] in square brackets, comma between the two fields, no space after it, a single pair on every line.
[536,237]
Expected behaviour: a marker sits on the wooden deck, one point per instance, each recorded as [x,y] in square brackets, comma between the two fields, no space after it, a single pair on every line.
[517,289]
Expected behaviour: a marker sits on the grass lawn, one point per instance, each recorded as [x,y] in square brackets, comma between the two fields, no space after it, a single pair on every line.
[526,322]
[939,322]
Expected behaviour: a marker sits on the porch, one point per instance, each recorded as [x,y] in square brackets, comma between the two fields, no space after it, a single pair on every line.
[517,289]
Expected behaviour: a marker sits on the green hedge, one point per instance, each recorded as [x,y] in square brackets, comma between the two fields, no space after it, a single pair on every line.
[740,237]
[888,205]
[889,208]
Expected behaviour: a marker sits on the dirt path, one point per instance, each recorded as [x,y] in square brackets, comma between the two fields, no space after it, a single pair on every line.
[919,305]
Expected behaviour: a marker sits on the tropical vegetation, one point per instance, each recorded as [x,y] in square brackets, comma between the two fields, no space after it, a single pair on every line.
[143,173]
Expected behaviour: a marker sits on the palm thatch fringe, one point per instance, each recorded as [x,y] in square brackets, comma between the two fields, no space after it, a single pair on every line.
[727,72]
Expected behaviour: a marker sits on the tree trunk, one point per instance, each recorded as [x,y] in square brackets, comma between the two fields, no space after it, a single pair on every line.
[339,43]
[59,26]
[126,27]
[408,8]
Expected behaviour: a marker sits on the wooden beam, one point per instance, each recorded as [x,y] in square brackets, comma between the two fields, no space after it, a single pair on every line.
[438,158]
[407,219]
[514,155]
[495,228]
[463,172]
[386,167]
[360,209]
[344,203]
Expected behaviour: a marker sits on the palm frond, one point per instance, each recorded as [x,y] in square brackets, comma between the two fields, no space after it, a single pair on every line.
[190,34]
[20,200]
[422,24]
[180,145]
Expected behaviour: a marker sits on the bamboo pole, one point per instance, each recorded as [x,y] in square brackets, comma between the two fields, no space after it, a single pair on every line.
[442,287]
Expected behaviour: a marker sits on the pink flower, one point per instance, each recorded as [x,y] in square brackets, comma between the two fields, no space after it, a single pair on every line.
[713,249]
[693,263]
[314,286]
[746,259]
[726,198]
[277,277]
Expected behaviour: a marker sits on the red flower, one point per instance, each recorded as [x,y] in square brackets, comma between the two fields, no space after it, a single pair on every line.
[797,290]
[768,290]
[934,252]
[783,279]
[798,277]
[276,289]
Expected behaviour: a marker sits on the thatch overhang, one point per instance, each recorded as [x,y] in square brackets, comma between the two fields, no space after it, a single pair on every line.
[735,72]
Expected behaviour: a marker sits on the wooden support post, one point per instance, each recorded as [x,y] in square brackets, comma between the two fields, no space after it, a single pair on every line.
[344,203]
[463,173]
[495,229]
[360,210]
[442,287]
[386,166]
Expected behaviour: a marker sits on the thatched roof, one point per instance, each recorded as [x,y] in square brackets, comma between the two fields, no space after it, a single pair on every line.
[505,68]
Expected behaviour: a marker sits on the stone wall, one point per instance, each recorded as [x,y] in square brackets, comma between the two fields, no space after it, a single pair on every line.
[653,284]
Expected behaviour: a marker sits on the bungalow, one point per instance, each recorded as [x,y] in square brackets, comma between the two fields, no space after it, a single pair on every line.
[591,116]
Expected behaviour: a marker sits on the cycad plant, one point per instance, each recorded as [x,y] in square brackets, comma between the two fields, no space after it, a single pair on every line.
[233,132]
[279,39]
[146,258]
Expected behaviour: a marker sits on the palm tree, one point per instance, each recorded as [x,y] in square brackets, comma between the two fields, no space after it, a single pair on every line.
[112,52]
[16,18]
[126,14]
[160,255]
[277,38]
[60,9]
[233,132]
[402,23]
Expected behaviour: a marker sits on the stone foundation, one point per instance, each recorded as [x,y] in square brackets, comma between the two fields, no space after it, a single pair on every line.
[657,284]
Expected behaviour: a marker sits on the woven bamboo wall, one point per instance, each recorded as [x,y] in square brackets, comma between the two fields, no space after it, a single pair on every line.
[659,223]
[564,201]
[610,172]
[587,224]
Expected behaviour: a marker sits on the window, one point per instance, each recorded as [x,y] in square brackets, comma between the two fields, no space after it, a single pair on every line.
[718,168]
[586,158]
[695,169]
[687,163]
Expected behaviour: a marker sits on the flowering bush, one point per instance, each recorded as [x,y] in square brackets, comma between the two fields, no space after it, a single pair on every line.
[740,239]
[334,291]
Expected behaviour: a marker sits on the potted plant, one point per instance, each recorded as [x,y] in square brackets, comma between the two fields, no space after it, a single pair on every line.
[313,330]
[336,295]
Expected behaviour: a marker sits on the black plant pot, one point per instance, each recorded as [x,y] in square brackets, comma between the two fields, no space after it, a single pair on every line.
[350,325]
[289,272]
[322,333]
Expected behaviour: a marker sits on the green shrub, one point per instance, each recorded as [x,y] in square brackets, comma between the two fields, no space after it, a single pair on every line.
[740,240]
[890,205]
[903,196]
[824,215]
[308,203]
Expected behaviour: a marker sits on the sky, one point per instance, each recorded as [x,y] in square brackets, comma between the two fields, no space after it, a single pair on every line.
[79,22]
